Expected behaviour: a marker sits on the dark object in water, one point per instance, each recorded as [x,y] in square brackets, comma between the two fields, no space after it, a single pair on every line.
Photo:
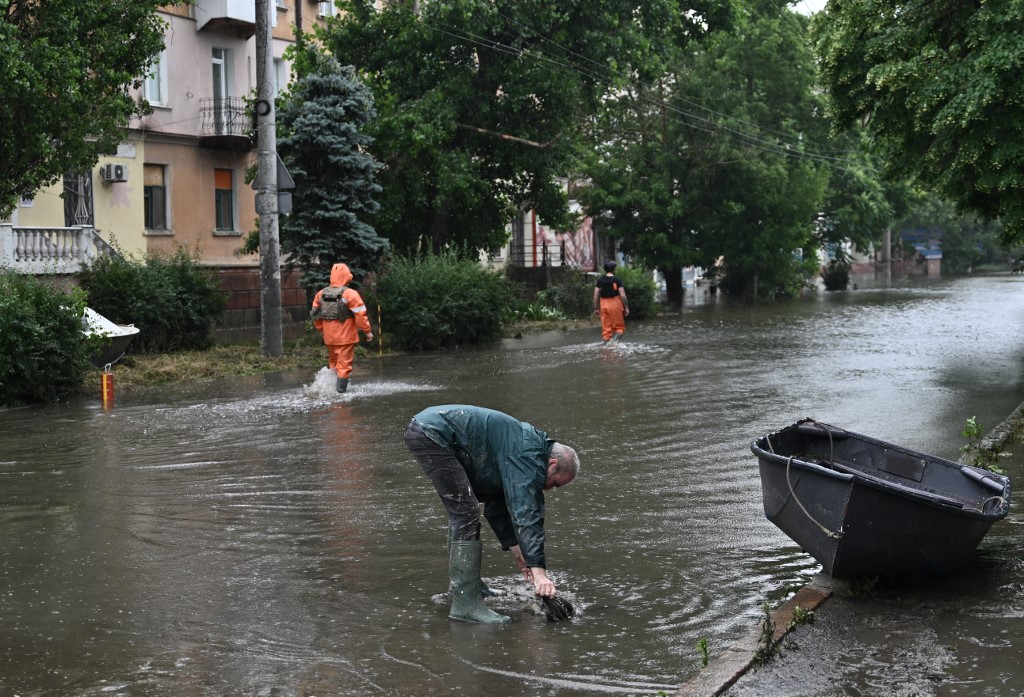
[557,609]
[863,507]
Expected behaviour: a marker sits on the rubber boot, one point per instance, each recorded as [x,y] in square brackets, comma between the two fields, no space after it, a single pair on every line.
[465,590]
[485,590]
[341,384]
[616,337]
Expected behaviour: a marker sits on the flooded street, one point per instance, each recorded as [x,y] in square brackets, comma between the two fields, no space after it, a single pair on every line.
[261,536]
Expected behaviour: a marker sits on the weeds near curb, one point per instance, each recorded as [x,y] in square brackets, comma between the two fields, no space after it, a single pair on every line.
[984,456]
[702,649]
[801,616]
[766,646]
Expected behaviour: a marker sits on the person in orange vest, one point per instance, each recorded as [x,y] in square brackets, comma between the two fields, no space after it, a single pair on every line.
[339,314]
[611,303]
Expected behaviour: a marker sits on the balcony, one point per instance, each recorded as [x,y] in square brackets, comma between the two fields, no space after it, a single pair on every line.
[226,124]
[43,250]
[235,17]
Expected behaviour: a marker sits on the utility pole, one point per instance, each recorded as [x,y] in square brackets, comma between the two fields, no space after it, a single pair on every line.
[266,186]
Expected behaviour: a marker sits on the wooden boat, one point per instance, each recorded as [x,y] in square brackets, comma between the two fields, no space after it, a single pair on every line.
[863,507]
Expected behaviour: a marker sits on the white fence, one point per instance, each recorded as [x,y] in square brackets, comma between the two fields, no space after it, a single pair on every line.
[47,250]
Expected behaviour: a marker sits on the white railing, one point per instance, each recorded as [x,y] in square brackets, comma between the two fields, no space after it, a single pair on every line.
[46,250]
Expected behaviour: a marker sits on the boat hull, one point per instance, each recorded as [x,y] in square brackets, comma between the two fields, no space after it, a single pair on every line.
[862,507]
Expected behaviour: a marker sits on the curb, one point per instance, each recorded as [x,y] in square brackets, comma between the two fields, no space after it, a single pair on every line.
[721,673]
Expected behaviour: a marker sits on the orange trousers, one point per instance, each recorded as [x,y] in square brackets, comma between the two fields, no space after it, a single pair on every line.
[613,319]
[339,358]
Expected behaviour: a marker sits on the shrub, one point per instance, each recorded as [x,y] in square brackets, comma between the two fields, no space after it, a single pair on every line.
[442,300]
[641,291]
[43,353]
[573,296]
[836,275]
[170,298]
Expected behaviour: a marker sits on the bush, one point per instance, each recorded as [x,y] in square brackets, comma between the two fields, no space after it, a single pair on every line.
[836,275]
[442,300]
[641,291]
[573,296]
[171,299]
[43,353]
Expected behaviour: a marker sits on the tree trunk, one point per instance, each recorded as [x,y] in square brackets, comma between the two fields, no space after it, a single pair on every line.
[674,286]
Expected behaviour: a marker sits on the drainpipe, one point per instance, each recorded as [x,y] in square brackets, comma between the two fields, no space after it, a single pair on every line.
[533,225]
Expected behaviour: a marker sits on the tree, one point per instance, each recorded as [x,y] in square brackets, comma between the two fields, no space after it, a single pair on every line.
[481,104]
[66,70]
[938,84]
[322,142]
[717,158]
[860,204]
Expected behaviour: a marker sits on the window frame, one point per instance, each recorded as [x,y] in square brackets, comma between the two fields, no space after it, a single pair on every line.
[224,198]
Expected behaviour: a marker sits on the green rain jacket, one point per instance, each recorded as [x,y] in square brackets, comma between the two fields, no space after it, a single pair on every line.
[507,464]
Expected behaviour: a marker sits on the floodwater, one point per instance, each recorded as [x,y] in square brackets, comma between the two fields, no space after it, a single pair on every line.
[262,536]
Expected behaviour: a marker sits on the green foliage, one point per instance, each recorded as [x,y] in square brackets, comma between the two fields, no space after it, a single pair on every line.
[935,79]
[981,455]
[702,650]
[641,291]
[715,158]
[535,311]
[766,645]
[573,296]
[480,104]
[442,300]
[801,616]
[65,74]
[836,274]
[44,352]
[171,299]
[321,139]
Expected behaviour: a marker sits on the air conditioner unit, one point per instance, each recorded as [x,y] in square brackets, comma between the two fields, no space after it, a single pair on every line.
[114,173]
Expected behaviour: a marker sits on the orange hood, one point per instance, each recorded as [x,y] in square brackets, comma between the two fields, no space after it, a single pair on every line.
[340,275]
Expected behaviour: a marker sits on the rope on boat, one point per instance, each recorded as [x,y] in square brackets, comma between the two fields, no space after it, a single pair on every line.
[1000,499]
[835,535]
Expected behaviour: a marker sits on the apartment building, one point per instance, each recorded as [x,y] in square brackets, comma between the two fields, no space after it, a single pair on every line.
[178,177]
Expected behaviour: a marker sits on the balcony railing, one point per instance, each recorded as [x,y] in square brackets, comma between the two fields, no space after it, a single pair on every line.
[46,250]
[527,255]
[226,123]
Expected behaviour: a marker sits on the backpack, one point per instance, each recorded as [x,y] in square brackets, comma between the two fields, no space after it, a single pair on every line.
[333,305]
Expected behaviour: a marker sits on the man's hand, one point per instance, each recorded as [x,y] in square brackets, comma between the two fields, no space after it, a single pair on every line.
[517,556]
[369,336]
[542,585]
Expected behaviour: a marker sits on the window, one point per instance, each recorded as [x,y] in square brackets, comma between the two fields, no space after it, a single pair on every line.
[154,197]
[273,14]
[224,197]
[280,76]
[221,90]
[326,7]
[155,87]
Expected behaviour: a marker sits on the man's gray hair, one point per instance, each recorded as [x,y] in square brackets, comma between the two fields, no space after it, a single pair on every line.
[568,460]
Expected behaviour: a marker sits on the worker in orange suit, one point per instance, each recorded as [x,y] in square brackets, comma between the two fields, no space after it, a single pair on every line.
[611,304]
[339,314]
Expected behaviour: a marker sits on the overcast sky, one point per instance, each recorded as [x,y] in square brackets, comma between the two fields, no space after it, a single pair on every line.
[809,6]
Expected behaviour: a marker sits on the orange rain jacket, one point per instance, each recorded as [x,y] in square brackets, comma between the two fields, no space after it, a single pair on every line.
[337,331]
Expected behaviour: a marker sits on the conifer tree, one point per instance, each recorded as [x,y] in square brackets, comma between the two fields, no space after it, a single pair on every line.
[320,139]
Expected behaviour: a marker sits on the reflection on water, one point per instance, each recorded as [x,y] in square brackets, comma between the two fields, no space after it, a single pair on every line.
[267,535]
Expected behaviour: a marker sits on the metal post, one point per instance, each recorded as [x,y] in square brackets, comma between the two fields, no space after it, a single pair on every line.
[266,186]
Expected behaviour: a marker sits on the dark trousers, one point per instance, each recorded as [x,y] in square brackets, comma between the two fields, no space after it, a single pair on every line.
[449,479]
